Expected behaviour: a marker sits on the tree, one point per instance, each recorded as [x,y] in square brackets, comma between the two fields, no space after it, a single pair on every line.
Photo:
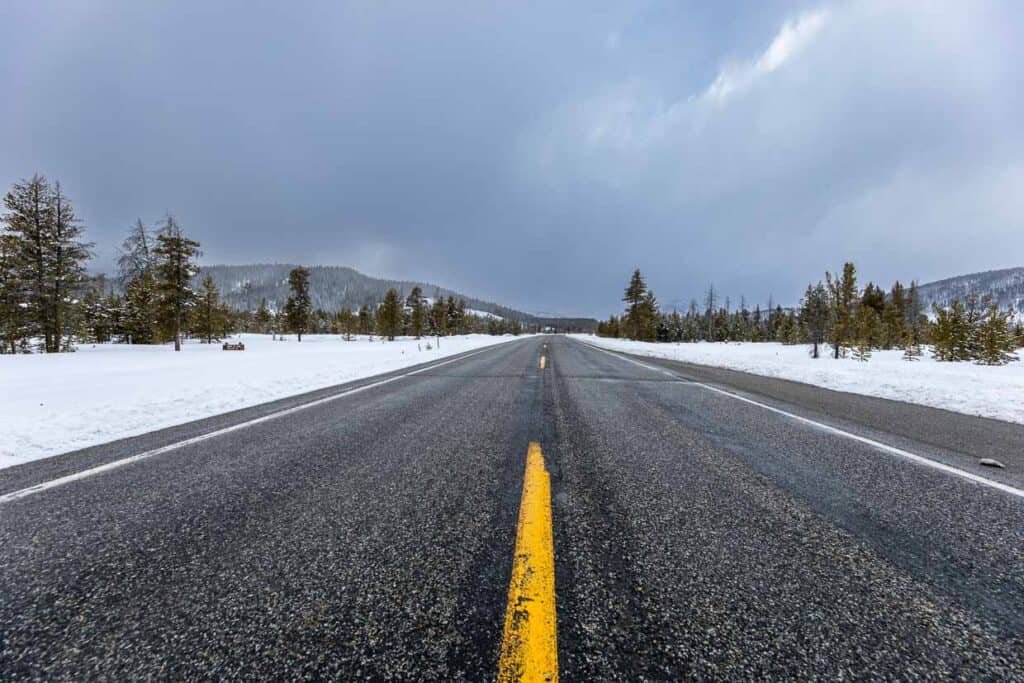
[866,331]
[348,323]
[634,296]
[951,333]
[135,262]
[438,316]
[389,316]
[814,315]
[299,305]
[710,312]
[51,257]
[843,293]
[263,317]
[208,311]
[914,325]
[174,270]
[417,312]
[14,322]
[365,320]
[996,340]
[649,316]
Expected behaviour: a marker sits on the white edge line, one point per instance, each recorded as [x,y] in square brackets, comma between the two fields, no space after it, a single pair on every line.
[920,459]
[106,467]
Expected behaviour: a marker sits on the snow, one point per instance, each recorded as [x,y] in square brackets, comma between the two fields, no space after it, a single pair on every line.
[56,403]
[988,391]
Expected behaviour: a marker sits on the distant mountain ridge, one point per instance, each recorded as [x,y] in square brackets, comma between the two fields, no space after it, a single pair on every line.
[1005,287]
[331,288]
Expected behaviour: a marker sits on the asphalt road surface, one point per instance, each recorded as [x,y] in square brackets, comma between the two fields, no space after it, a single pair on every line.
[697,533]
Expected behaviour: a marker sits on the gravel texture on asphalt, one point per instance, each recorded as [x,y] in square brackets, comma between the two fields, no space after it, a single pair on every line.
[371,538]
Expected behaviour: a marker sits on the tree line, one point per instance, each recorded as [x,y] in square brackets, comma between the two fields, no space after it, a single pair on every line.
[48,302]
[836,314]
[396,315]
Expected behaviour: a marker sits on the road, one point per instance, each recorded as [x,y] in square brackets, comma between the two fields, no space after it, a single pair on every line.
[698,532]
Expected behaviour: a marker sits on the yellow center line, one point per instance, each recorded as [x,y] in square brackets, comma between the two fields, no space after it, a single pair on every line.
[529,644]
[543,361]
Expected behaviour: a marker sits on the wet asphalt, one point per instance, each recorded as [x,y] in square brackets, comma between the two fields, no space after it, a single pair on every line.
[370,537]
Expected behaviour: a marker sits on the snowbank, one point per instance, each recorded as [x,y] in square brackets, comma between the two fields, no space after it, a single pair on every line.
[996,392]
[52,404]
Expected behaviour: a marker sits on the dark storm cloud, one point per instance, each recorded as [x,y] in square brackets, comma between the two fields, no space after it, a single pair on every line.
[535,154]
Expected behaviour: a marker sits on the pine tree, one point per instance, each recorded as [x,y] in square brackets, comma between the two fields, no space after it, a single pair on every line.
[14,321]
[51,257]
[208,311]
[633,320]
[995,339]
[366,321]
[65,268]
[710,312]
[389,315]
[843,294]
[29,219]
[814,315]
[866,329]
[174,270]
[417,312]
[135,264]
[914,324]
[438,316]
[299,305]
[263,317]
[952,333]
[649,317]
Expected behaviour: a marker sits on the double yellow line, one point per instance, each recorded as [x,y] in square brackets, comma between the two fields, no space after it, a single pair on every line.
[529,644]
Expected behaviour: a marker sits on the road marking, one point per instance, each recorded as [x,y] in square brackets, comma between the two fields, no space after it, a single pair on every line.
[529,642]
[884,447]
[543,361]
[91,472]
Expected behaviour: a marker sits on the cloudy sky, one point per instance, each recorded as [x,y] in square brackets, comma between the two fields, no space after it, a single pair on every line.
[534,153]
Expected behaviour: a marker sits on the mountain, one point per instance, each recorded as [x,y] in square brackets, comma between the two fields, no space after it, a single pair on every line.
[331,288]
[1005,287]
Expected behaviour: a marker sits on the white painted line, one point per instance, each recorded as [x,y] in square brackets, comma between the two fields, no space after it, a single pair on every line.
[892,450]
[99,469]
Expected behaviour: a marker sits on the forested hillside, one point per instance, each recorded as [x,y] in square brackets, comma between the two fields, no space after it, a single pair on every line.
[332,288]
[1004,287]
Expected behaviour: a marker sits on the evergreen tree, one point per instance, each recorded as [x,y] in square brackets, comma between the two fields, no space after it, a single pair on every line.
[866,328]
[51,257]
[299,304]
[174,254]
[710,313]
[648,317]
[814,315]
[14,320]
[417,312]
[995,337]
[914,323]
[389,316]
[438,317]
[843,293]
[633,320]
[951,333]
[208,311]
[65,268]
[135,264]
[263,317]
[366,321]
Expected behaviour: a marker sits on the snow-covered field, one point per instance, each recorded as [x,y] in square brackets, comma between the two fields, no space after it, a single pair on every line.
[996,392]
[52,404]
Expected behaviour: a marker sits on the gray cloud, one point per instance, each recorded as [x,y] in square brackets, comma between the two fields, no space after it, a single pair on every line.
[535,154]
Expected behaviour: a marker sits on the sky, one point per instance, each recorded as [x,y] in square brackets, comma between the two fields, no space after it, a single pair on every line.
[535,153]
